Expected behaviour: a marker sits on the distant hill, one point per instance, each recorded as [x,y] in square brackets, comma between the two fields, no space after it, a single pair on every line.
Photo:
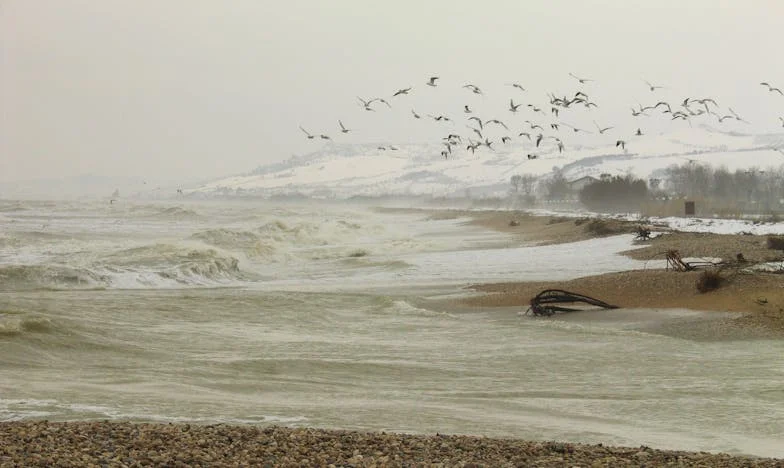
[351,170]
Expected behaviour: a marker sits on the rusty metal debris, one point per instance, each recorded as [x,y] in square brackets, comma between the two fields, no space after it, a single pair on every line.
[546,302]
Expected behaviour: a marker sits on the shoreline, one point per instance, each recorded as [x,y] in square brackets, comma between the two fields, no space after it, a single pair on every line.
[42,443]
[125,443]
[757,297]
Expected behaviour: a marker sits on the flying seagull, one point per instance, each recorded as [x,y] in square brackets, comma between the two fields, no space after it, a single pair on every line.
[382,100]
[496,121]
[325,137]
[343,128]
[310,137]
[366,104]
[432,81]
[771,88]
[517,85]
[466,109]
[652,87]
[416,116]
[512,106]
[581,80]
[602,130]
[401,91]
[475,89]
[620,143]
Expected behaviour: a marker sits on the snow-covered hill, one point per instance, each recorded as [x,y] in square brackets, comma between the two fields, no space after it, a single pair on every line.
[346,170]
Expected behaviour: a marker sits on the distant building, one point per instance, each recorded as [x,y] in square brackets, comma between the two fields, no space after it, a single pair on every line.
[578,184]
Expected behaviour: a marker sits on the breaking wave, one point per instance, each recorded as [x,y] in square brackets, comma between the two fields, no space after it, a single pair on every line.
[26,277]
[154,266]
[164,212]
[13,325]
[279,240]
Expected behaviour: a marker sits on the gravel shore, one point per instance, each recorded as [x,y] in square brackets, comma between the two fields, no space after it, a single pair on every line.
[50,444]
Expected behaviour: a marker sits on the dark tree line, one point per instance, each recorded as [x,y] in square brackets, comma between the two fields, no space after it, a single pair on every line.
[614,193]
[762,187]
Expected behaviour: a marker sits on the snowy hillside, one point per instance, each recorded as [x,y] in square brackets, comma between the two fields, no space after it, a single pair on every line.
[344,170]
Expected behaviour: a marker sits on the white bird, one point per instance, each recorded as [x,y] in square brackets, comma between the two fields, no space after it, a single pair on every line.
[366,104]
[343,128]
[652,87]
[581,80]
[382,100]
[771,88]
[401,91]
[512,106]
[466,109]
[432,81]
[475,89]
[602,130]
[325,137]
[620,143]
[310,137]
[517,85]
[496,121]
[416,116]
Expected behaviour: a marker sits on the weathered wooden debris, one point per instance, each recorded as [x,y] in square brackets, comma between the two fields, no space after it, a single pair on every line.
[675,262]
[547,302]
[643,233]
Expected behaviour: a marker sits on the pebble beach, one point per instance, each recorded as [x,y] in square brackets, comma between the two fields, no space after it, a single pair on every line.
[50,444]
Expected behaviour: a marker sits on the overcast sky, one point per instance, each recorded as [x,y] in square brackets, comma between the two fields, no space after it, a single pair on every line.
[190,89]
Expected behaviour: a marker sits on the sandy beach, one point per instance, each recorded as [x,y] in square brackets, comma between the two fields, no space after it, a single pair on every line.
[757,297]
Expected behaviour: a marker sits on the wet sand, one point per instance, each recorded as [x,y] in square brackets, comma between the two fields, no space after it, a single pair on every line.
[757,297]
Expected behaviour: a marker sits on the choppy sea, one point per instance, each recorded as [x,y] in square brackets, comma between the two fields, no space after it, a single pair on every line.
[334,316]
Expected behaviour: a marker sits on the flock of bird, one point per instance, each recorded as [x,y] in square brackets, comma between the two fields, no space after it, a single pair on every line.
[545,129]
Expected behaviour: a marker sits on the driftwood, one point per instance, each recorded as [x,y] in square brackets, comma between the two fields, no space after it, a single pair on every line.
[675,262]
[545,303]
[643,233]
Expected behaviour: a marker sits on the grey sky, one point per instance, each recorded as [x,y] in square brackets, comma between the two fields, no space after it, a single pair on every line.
[184,88]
